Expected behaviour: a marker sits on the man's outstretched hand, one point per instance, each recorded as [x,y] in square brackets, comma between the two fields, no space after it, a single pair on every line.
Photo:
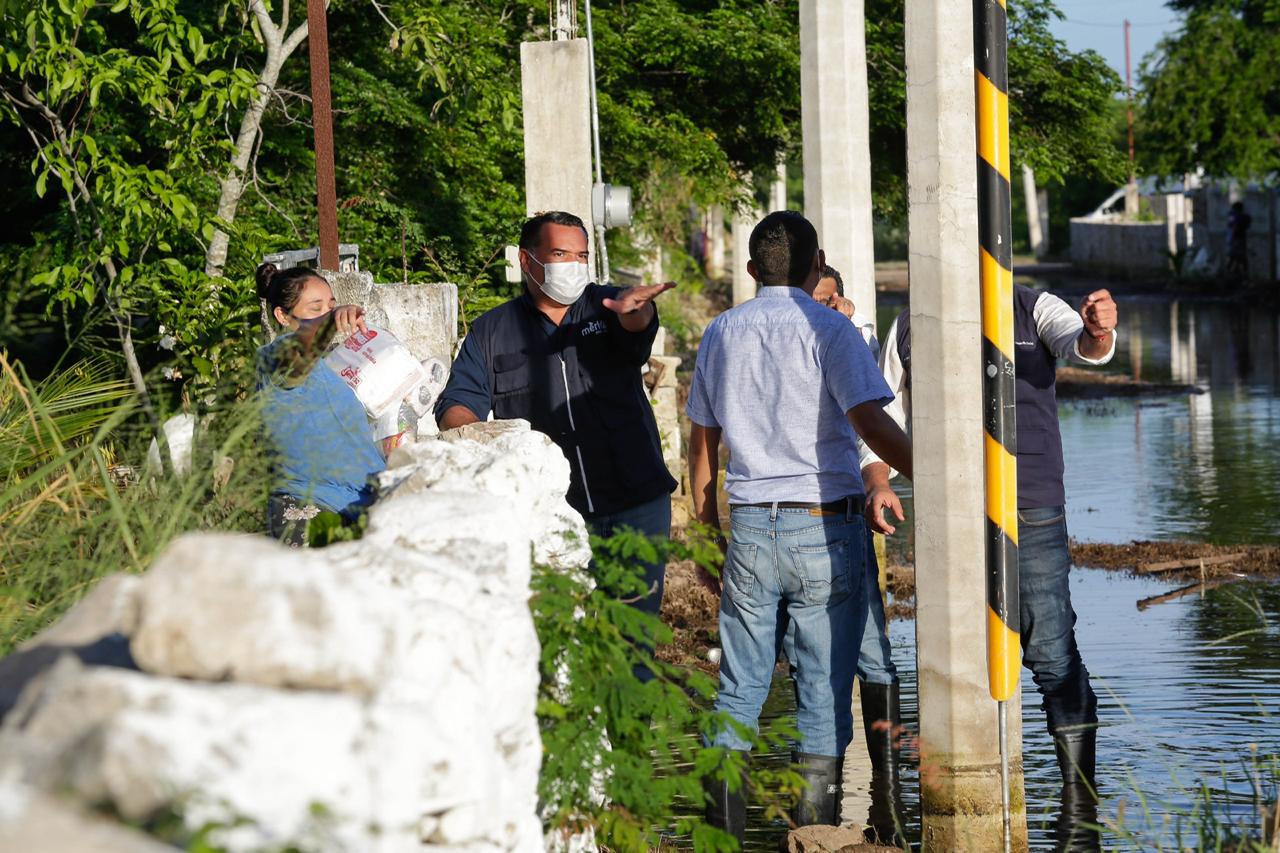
[635,299]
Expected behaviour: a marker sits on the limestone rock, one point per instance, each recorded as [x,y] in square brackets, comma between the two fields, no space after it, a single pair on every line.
[377,695]
[273,767]
[180,435]
[500,458]
[96,631]
[486,432]
[830,839]
[242,608]
[33,822]
[423,316]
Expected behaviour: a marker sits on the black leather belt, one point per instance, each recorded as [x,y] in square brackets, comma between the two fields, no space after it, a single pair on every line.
[852,505]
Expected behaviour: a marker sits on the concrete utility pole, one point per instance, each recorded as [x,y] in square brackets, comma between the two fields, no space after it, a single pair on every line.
[715,241]
[744,286]
[556,93]
[837,147]
[959,750]
[1037,215]
[778,189]
[1131,205]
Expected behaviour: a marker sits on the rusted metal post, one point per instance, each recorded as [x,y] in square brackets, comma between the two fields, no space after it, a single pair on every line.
[322,123]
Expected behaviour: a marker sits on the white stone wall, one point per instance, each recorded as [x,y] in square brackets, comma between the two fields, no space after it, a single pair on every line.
[424,317]
[372,696]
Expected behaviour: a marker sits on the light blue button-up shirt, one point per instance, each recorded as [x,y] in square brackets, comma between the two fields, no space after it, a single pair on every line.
[777,375]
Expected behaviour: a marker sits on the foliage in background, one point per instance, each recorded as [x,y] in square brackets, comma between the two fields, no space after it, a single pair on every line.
[1060,103]
[1210,93]
[119,108]
[621,755]
[133,114]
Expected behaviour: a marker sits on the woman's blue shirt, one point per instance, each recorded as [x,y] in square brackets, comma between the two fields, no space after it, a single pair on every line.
[320,440]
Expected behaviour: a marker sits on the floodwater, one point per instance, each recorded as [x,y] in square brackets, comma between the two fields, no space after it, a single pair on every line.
[1203,467]
[1189,690]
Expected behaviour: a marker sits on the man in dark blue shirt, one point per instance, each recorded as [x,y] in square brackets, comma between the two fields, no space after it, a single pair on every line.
[566,356]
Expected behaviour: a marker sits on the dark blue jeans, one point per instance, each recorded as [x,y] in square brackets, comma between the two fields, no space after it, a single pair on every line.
[1048,622]
[652,518]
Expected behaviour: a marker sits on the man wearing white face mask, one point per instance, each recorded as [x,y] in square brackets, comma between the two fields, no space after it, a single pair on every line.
[566,356]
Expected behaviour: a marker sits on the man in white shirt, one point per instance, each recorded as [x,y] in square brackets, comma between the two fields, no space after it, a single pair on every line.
[788,387]
[830,292]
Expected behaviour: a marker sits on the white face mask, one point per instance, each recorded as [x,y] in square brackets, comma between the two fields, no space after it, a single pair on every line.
[564,282]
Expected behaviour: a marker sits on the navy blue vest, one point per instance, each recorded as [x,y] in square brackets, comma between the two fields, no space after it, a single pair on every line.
[1040,460]
[580,385]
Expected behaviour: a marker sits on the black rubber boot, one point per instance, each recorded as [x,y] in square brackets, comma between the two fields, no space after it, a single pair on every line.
[1076,830]
[881,720]
[819,803]
[727,810]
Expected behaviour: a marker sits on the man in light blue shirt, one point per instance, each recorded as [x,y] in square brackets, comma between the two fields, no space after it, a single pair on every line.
[789,385]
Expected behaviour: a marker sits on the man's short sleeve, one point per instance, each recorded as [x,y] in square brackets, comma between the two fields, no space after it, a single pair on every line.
[699,408]
[849,371]
[468,384]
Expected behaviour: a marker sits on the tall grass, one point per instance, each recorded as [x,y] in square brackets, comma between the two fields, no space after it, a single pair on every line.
[78,501]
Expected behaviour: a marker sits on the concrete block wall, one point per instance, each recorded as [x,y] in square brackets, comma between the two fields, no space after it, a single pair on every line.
[1112,246]
[1213,204]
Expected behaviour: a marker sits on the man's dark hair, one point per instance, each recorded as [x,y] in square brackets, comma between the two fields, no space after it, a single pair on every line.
[782,246]
[531,231]
[832,272]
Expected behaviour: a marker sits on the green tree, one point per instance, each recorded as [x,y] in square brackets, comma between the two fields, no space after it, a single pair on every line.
[1210,95]
[119,104]
[1060,102]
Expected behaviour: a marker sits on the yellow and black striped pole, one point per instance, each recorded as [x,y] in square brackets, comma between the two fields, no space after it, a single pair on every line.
[995,230]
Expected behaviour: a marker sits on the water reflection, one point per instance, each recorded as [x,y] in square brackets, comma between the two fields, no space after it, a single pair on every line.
[1189,693]
[1195,466]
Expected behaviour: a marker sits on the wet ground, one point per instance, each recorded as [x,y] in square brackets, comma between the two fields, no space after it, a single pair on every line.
[1188,466]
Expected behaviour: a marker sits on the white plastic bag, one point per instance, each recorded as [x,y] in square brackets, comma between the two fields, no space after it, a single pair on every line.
[378,368]
[405,423]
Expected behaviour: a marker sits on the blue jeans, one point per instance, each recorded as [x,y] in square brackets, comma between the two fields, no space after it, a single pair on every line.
[652,518]
[812,566]
[1048,621]
[875,657]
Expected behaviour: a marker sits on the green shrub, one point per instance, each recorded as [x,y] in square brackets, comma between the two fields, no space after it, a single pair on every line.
[619,753]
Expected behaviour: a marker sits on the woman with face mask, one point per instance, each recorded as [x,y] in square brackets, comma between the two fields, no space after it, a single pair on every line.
[321,445]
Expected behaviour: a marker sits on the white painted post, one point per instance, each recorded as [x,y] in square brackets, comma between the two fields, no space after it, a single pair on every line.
[837,149]
[1035,231]
[556,89]
[959,752]
[778,190]
[1042,202]
[715,241]
[744,286]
